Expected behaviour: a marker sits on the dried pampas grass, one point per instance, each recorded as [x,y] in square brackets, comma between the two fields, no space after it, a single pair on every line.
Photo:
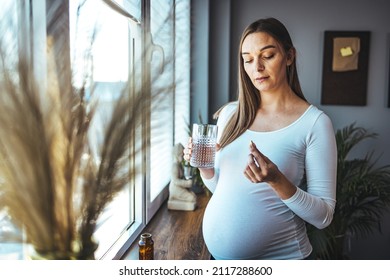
[51,184]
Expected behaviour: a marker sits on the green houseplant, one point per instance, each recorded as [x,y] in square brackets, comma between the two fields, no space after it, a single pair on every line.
[363,194]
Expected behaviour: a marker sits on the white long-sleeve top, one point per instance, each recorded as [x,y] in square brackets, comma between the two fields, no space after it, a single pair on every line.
[244,220]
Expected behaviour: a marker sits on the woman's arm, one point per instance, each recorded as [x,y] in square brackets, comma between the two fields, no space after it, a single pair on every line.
[316,205]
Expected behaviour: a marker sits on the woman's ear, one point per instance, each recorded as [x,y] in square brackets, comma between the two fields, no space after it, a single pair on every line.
[290,56]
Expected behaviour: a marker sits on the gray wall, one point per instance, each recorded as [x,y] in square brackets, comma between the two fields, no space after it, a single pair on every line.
[306,20]
[199,80]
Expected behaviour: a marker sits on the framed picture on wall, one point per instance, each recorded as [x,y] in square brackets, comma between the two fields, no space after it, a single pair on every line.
[345,68]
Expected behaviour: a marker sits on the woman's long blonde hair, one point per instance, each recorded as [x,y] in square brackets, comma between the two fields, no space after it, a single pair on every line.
[248,96]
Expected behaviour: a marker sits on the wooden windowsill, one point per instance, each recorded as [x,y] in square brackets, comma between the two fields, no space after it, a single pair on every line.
[177,235]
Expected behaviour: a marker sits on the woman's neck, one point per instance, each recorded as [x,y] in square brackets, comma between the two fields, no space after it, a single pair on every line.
[278,100]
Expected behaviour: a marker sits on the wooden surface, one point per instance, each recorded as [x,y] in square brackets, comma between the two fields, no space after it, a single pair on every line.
[177,235]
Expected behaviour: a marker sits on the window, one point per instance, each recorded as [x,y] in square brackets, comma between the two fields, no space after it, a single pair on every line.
[116,40]
[169,29]
[10,236]
[121,29]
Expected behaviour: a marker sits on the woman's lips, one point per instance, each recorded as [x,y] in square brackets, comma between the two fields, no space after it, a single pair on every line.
[261,79]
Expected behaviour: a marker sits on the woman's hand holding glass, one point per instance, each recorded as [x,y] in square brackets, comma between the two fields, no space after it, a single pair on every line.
[205,172]
[188,151]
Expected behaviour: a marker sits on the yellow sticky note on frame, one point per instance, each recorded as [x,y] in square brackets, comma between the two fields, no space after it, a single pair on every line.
[351,46]
[347,51]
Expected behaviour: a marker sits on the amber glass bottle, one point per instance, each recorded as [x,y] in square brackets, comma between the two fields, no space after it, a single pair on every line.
[146,247]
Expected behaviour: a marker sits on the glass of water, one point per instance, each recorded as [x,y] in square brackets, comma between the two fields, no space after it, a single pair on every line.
[204,140]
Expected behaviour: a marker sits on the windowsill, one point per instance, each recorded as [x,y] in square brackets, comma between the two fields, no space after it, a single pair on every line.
[177,235]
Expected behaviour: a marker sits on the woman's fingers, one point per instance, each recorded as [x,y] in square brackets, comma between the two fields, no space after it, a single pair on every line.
[252,170]
[188,150]
[260,158]
[259,167]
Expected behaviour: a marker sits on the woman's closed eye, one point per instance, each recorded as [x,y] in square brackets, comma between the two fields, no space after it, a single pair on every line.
[269,56]
[247,60]
[266,57]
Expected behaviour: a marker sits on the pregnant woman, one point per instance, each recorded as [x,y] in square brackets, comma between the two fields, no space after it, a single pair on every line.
[270,140]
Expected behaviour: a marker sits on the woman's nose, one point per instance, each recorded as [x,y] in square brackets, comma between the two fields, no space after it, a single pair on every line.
[260,65]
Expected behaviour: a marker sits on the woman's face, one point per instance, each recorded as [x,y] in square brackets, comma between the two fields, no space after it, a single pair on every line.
[265,62]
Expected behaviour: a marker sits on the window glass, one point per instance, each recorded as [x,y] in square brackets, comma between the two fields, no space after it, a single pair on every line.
[11,246]
[8,29]
[131,7]
[170,31]
[109,62]
[162,75]
[182,71]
